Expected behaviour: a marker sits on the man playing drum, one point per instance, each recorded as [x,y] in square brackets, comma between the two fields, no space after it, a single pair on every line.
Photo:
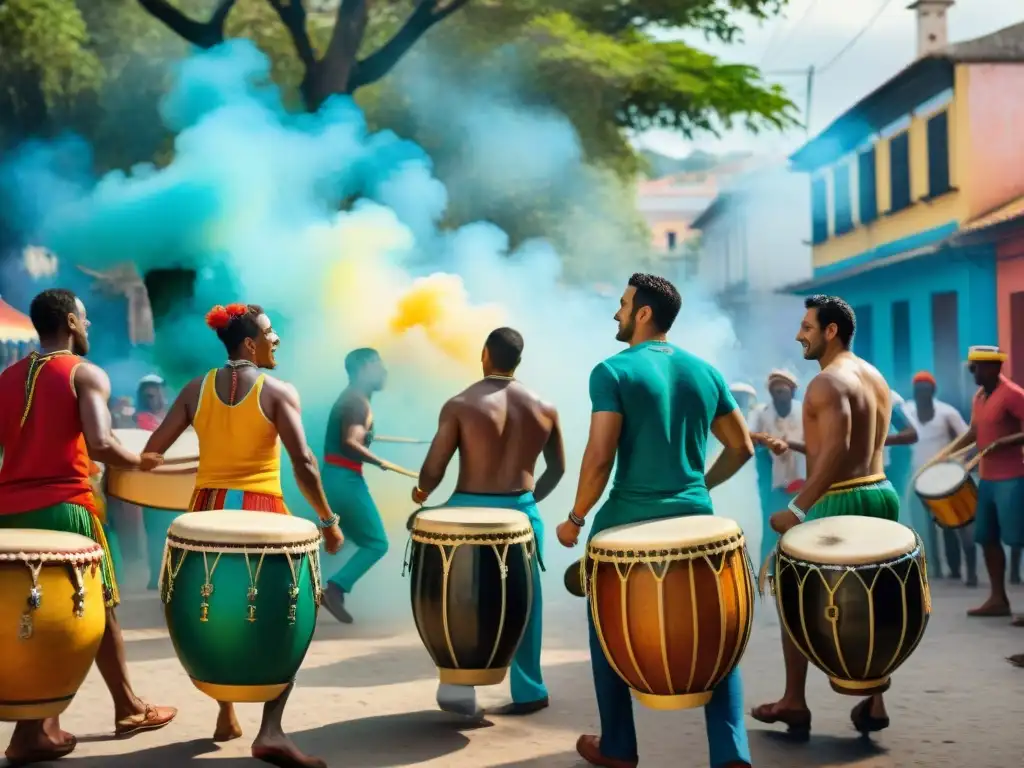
[937,423]
[346,449]
[997,429]
[500,428]
[846,420]
[640,398]
[54,420]
[239,415]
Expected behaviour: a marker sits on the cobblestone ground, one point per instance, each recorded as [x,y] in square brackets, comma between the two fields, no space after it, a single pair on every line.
[366,700]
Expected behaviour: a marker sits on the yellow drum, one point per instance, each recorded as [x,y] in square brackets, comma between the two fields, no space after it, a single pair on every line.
[167,487]
[52,619]
[948,491]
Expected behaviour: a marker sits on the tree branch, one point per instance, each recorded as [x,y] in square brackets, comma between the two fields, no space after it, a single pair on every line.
[293,15]
[380,62]
[201,34]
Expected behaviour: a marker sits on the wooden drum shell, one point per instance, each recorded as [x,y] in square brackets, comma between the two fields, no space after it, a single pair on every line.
[673,629]
[955,509]
[168,487]
[471,598]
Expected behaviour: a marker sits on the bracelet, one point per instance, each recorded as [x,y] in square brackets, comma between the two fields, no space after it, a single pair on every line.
[329,522]
[579,522]
[799,513]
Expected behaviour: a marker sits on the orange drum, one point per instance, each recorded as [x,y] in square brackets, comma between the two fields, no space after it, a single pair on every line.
[948,491]
[673,605]
[167,487]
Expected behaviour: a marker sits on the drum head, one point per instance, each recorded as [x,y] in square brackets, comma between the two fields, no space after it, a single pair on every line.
[848,540]
[470,520]
[940,479]
[185,447]
[689,531]
[242,528]
[31,541]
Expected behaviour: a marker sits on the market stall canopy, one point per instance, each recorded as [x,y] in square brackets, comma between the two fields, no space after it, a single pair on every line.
[15,326]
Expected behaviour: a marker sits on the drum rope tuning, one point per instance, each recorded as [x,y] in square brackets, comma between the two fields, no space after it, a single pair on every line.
[76,562]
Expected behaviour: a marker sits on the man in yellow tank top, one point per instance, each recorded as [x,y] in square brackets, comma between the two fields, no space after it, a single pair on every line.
[239,415]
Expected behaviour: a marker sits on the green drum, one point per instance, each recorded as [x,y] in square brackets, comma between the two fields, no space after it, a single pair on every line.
[241,592]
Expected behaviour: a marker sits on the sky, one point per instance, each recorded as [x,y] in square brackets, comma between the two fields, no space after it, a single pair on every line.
[813,32]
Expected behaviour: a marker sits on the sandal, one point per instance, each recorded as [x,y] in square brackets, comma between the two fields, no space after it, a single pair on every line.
[797,721]
[863,721]
[153,719]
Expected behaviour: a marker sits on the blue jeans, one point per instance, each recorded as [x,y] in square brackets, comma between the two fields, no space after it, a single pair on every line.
[723,715]
[525,678]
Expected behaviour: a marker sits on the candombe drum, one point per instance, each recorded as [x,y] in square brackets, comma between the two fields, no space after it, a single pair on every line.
[673,605]
[169,486]
[472,589]
[948,491]
[241,592]
[52,618]
[852,593]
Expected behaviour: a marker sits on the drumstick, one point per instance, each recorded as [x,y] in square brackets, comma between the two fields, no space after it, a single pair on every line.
[961,452]
[402,440]
[387,465]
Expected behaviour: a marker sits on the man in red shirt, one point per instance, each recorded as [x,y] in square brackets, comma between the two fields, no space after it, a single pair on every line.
[997,428]
[54,422]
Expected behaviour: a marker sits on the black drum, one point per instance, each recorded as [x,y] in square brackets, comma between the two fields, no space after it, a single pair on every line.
[852,594]
[472,589]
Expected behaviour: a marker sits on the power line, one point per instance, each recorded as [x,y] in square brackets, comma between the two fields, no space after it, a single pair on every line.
[776,34]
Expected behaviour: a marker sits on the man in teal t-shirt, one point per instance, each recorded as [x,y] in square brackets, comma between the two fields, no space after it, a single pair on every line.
[654,406]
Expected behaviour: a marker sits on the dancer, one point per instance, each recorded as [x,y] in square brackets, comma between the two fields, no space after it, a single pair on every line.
[346,450]
[846,419]
[640,397]
[778,428]
[936,424]
[239,415]
[997,429]
[54,422]
[500,428]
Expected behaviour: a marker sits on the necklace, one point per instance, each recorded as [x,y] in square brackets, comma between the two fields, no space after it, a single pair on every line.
[241,364]
[234,365]
[496,377]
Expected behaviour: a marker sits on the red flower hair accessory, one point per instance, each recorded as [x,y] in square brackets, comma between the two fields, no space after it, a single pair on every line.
[237,310]
[219,317]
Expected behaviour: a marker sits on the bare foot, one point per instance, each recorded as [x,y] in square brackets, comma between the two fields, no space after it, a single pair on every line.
[227,728]
[282,752]
[991,608]
[39,741]
[795,716]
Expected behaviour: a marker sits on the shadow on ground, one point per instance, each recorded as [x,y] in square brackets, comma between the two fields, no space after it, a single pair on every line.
[823,750]
[387,741]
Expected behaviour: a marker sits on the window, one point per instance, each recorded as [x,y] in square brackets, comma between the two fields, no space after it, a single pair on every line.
[863,337]
[844,210]
[938,154]
[868,197]
[670,237]
[1017,336]
[819,211]
[949,367]
[899,171]
[901,344]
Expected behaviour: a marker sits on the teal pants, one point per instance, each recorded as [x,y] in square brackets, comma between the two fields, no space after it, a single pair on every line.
[156,523]
[365,540]
[526,680]
[867,497]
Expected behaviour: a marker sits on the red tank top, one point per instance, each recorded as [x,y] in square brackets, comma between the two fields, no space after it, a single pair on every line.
[45,461]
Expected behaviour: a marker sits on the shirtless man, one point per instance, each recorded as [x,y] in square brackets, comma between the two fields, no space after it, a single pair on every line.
[499,428]
[846,416]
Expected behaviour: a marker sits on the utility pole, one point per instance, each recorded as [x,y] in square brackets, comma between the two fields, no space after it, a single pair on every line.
[810,93]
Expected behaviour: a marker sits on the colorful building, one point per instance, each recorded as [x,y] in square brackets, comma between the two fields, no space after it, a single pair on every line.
[899,180]
[17,336]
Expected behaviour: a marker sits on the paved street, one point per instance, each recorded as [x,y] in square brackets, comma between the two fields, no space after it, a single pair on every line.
[365,700]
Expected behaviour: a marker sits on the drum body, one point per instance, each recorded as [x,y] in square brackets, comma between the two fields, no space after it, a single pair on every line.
[949,493]
[852,593]
[52,619]
[673,605]
[241,592]
[471,589]
[166,487]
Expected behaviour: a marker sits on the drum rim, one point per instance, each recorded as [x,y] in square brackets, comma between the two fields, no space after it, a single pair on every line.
[946,494]
[888,562]
[470,537]
[661,554]
[56,556]
[270,548]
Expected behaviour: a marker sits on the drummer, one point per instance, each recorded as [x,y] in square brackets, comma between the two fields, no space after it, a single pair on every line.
[54,422]
[500,428]
[639,398]
[937,423]
[241,416]
[844,406]
[997,429]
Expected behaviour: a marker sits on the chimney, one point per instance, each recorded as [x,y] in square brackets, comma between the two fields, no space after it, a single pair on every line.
[932,27]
